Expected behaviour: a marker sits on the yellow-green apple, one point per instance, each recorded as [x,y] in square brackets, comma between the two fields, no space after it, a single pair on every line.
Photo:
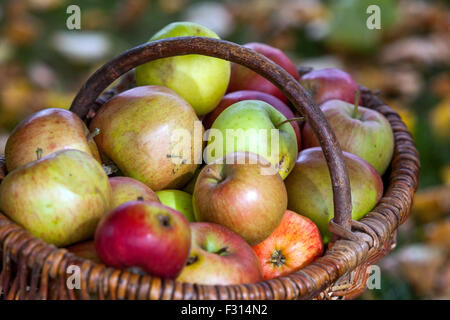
[295,243]
[310,191]
[237,96]
[50,130]
[218,256]
[254,126]
[239,194]
[59,198]
[243,78]
[361,131]
[200,80]
[178,200]
[126,189]
[150,133]
[85,250]
[144,235]
[329,84]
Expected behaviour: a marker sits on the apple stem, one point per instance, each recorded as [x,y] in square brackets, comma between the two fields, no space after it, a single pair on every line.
[39,153]
[289,120]
[93,134]
[355,110]
[213,174]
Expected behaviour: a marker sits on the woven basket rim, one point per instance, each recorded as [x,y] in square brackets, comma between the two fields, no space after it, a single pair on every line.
[356,247]
[373,232]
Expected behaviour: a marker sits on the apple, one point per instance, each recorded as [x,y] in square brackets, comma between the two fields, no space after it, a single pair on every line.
[237,96]
[189,187]
[178,200]
[200,80]
[137,128]
[310,192]
[361,131]
[295,243]
[59,198]
[250,125]
[144,235]
[50,130]
[243,78]
[85,250]
[237,193]
[219,257]
[126,189]
[329,84]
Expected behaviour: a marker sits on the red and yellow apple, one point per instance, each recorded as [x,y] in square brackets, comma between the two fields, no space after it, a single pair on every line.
[85,250]
[138,133]
[219,257]
[145,235]
[329,84]
[359,130]
[295,243]
[126,189]
[50,130]
[236,193]
[243,78]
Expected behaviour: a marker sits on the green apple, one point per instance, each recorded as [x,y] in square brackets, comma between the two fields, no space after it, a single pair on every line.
[200,80]
[310,192]
[59,198]
[178,200]
[254,126]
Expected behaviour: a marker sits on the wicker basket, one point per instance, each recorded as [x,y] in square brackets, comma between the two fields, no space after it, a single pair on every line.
[33,269]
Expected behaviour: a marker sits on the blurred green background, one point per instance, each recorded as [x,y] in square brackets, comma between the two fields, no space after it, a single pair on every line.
[43,64]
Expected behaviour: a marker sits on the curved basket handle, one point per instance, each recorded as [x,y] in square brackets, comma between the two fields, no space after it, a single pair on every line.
[297,95]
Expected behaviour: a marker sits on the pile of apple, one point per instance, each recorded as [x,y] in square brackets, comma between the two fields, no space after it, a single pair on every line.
[198,216]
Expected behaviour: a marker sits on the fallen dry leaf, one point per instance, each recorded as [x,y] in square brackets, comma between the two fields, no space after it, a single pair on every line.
[432,203]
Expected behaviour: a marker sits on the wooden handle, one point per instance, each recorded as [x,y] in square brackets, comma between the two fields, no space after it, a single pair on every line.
[297,95]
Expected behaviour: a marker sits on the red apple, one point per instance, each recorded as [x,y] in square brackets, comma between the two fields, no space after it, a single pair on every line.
[235,193]
[243,78]
[237,96]
[145,235]
[328,84]
[219,257]
[85,250]
[126,189]
[361,131]
[295,243]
